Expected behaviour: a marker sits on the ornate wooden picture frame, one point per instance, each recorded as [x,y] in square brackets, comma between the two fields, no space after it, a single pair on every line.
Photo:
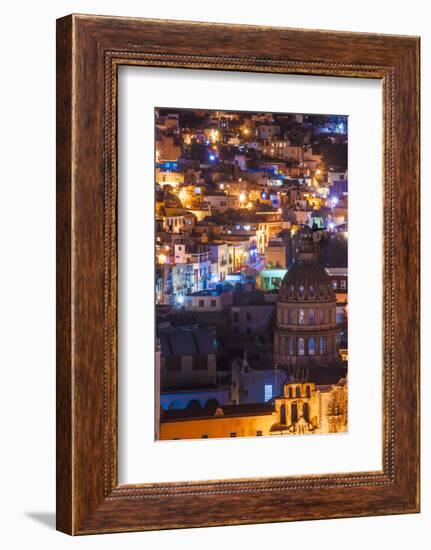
[89,51]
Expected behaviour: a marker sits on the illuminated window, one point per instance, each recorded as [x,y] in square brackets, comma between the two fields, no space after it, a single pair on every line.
[322,345]
[311,346]
[311,317]
[334,285]
[301,316]
[301,348]
[268,392]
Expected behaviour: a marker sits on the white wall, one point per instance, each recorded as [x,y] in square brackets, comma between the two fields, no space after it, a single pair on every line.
[27,123]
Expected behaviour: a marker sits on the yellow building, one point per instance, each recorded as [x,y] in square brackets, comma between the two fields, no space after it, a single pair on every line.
[303,408]
[169,178]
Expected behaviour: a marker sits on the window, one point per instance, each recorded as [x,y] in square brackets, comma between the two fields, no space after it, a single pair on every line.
[268,392]
[173,363]
[291,345]
[201,303]
[301,349]
[213,303]
[248,316]
[259,432]
[306,412]
[233,434]
[248,330]
[311,317]
[307,391]
[294,412]
[343,284]
[301,317]
[322,345]
[204,436]
[283,414]
[200,361]
[321,316]
[289,393]
[236,316]
[297,391]
[334,285]
[311,346]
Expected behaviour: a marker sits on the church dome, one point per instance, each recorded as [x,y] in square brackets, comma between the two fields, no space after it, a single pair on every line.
[306,280]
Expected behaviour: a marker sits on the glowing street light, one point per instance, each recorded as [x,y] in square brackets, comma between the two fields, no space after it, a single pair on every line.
[242,197]
[334,201]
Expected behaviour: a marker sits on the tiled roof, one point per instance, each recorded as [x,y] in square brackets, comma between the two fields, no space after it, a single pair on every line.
[186,342]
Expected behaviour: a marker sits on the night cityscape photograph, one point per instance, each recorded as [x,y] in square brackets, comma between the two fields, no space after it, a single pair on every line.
[251,274]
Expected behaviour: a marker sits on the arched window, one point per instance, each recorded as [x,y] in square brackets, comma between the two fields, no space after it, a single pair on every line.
[193,404]
[212,404]
[307,391]
[283,414]
[297,391]
[311,346]
[311,317]
[294,412]
[301,346]
[322,345]
[301,316]
[306,411]
[291,345]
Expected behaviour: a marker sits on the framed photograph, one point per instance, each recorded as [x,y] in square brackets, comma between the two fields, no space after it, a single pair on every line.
[237,274]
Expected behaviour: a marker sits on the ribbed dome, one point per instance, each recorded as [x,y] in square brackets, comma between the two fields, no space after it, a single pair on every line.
[306,281]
